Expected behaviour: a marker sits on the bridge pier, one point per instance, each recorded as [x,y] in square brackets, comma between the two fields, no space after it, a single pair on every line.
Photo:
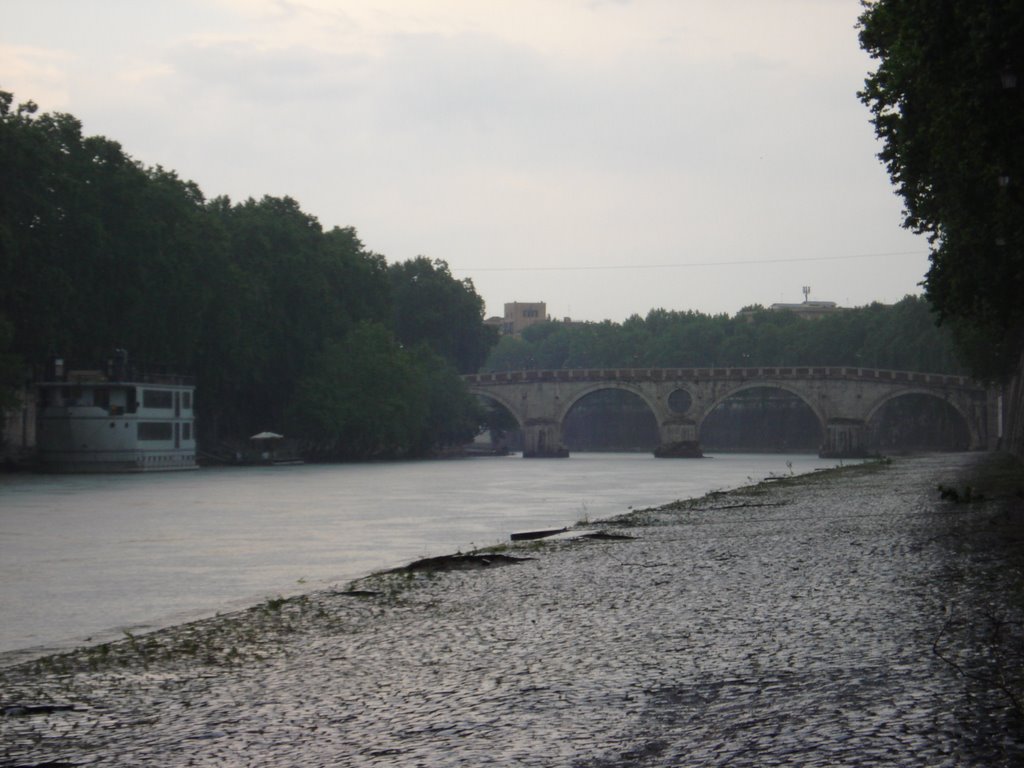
[543,440]
[678,440]
[845,439]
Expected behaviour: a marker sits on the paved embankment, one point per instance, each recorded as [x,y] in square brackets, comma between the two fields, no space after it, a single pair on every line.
[849,618]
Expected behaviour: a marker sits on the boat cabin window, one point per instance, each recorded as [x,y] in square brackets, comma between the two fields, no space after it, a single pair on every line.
[155,430]
[157,398]
[101,398]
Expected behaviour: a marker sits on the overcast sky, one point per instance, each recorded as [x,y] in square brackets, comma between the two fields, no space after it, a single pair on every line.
[605,156]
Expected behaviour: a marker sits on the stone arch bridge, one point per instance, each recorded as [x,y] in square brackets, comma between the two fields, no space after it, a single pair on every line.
[842,399]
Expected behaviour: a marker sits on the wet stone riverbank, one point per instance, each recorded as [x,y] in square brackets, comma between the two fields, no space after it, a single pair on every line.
[849,618]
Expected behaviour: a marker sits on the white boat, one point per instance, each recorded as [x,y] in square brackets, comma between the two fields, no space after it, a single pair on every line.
[91,421]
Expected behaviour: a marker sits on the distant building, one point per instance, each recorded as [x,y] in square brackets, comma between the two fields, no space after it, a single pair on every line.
[806,310]
[521,315]
[809,310]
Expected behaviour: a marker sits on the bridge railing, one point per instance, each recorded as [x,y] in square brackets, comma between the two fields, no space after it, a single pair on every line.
[697,374]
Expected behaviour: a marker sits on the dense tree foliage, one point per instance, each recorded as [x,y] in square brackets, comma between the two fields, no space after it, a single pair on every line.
[903,336]
[431,306]
[11,368]
[285,326]
[394,403]
[947,100]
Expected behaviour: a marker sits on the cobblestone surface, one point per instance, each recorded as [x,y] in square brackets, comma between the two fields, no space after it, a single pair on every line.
[845,619]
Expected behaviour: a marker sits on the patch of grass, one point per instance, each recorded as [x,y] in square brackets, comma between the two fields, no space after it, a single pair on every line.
[273,604]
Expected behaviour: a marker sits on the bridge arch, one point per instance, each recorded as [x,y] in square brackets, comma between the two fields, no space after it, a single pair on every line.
[500,400]
[728,392]
[541,434]
[888,397]
[954,403]
[653,404]
[610,419]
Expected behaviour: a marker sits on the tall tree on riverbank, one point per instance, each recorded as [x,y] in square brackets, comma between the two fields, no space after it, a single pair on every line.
[947,100]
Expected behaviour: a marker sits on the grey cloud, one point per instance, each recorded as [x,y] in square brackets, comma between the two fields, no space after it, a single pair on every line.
[257,75]
[472,100]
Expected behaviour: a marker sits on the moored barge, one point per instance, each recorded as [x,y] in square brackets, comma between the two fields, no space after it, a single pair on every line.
[116,420]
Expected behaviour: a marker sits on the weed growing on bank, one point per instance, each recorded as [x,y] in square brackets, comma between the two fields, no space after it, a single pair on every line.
[754,495]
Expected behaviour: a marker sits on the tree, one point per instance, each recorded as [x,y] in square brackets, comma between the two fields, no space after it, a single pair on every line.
[431,307]
[453,416]
[948,104]
[903,336]
[284,289]
[367,397]
[12,370]
[360,399]
[510,354]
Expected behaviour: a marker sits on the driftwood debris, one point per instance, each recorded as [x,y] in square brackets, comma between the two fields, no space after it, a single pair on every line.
[460,562]
[17,710]
[745,505]
[530,535]
[607,536]
[592,535]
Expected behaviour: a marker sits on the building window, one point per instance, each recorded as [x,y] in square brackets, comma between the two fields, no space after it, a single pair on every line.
[155,430]
[186,431]
[186,400]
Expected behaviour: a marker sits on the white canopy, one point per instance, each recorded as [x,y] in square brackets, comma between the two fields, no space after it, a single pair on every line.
[266,436]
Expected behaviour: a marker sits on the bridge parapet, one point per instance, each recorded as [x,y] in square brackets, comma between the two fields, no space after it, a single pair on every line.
[699,374]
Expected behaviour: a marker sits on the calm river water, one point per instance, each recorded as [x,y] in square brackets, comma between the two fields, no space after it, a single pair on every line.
[89,557]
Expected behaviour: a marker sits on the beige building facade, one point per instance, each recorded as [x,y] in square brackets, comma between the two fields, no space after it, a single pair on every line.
[520,315]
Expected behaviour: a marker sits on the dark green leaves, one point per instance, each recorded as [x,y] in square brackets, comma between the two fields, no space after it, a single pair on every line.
[947,101]
[902,336]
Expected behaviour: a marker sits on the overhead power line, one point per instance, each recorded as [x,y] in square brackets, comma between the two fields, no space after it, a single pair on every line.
[687,264]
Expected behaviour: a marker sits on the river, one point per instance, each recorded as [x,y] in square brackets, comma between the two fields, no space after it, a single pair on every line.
[88,557]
